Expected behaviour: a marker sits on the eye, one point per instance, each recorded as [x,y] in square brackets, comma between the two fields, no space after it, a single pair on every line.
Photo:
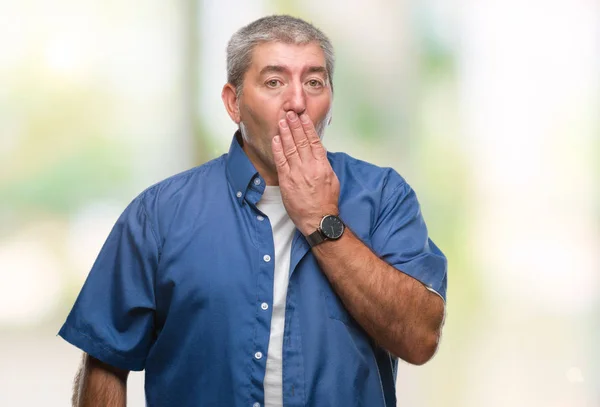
[315,83]
[273,83]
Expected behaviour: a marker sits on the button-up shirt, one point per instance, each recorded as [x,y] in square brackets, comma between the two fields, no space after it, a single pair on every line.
[182,286]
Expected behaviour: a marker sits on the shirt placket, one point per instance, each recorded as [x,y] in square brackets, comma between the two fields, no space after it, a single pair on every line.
[265,264]
[293,358]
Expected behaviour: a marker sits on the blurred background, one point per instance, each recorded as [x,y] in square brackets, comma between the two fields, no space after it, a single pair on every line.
[490,109]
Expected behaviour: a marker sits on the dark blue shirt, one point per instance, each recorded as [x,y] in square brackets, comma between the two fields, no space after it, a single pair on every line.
[178,286]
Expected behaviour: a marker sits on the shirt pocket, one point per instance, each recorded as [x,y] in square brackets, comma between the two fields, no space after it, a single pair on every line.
[335,308]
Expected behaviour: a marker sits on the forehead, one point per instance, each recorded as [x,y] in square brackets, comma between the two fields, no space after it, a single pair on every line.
[292,56]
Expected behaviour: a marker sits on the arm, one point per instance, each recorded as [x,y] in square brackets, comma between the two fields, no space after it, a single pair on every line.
[396,310]
[113,316]
[99,384]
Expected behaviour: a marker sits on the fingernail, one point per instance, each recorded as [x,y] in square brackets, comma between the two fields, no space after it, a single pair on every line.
[291,115]
[304,118]
[283,123]
[276,139]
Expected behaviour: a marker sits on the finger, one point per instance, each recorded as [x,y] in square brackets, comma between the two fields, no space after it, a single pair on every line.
[281,163]
[288,145]
[300,139]
[316,146]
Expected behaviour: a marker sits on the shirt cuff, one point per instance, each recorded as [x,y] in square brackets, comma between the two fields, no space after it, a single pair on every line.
[94,348]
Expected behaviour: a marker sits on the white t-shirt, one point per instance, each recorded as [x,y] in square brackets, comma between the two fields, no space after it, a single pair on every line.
[283,233]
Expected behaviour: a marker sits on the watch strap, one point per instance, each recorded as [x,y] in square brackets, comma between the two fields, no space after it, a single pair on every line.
[315,238]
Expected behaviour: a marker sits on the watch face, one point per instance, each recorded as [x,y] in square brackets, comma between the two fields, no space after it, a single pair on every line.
[332,227]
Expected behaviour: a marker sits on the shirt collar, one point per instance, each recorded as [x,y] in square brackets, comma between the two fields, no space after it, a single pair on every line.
[240,170]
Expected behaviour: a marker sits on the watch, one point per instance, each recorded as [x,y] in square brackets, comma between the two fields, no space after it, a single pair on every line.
[330,228]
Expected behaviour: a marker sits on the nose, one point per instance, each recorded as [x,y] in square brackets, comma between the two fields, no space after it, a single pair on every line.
[295,99]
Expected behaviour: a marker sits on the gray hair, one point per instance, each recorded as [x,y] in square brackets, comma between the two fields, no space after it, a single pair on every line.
[276,28]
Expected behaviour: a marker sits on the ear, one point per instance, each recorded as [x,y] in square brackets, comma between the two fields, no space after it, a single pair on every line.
[231,103]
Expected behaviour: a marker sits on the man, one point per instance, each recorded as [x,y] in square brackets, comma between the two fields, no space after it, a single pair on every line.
[277,274]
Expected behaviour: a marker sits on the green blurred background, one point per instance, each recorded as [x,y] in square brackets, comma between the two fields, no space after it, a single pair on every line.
[489,108]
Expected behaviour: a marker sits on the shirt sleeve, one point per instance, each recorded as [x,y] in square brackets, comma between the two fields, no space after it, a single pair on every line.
[113,316]
[400,238]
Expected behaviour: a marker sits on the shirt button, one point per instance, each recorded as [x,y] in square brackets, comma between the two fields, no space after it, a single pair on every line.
[256,405]
[260,218]
[264,306]
[239,194]
[267,258]
[256,181]
[258,355]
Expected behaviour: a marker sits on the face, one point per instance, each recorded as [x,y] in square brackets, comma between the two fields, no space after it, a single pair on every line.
[281,78]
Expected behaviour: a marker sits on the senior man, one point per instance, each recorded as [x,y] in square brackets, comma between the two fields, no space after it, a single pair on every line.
[278,274]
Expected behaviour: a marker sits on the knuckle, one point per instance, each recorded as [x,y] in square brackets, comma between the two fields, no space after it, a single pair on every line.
[311,133]
[303,143]
[280,161]
[291,151]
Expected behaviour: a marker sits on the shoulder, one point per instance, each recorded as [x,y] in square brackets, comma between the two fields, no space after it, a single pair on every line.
[191,181]
[178,196]
[353,172]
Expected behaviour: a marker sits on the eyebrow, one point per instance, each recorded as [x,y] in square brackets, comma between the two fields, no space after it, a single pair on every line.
[281,69]
[317,69]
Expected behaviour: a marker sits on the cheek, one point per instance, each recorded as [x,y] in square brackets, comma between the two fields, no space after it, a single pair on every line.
[271,107]
[266,113]
[319,108]
[258,116]
[317,115]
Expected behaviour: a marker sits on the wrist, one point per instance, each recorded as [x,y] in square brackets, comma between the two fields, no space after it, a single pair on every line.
[331,227]
[315,222]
